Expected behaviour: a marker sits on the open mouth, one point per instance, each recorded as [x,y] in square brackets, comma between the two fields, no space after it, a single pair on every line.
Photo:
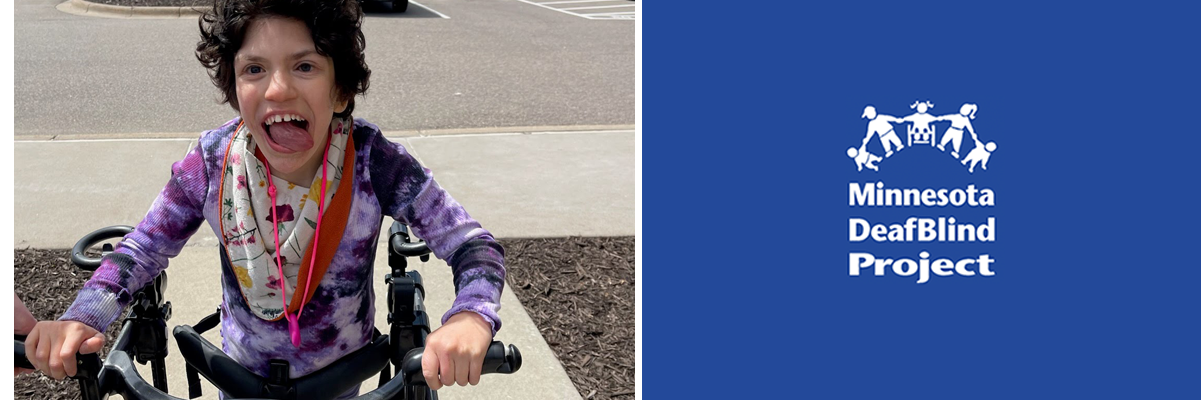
[287,119]
[288,132]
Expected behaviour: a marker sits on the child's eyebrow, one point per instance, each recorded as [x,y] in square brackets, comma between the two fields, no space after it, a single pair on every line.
[303,54]
[295,56]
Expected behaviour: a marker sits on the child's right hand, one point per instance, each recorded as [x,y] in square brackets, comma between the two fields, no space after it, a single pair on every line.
[52,345]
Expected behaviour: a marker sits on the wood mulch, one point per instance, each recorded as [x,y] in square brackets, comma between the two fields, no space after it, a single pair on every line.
[579,292]
[47,283]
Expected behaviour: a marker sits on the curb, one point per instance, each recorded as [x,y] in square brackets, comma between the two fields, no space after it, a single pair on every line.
[90,9]
[510,130]
[407,133]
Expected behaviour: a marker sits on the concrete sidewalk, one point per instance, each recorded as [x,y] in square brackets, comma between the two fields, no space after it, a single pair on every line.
[516,185]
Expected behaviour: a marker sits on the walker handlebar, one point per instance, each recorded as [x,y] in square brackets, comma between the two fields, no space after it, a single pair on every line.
[331,381]
[90,264]
[499,359]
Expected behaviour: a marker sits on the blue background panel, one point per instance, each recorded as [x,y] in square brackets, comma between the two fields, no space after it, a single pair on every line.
[747,118]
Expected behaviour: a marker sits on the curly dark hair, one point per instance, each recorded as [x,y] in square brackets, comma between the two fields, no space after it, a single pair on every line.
[336,27]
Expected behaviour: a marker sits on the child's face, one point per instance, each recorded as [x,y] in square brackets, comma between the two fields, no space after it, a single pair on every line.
[279,73]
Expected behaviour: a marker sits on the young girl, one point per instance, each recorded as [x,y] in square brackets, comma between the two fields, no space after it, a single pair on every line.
[959,122]
[296,190]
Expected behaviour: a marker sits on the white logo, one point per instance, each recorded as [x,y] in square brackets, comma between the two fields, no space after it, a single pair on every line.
[921,130]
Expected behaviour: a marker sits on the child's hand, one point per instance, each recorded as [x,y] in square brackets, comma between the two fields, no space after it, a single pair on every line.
[52,345]
[455,352]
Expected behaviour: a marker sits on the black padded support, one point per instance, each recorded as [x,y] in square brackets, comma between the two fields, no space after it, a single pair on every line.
[238,382]
[226,374]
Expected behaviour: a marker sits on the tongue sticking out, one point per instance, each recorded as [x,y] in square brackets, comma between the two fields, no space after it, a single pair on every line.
[290,136]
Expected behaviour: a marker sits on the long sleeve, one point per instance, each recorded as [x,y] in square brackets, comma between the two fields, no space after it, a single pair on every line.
[408,193]
[174,216]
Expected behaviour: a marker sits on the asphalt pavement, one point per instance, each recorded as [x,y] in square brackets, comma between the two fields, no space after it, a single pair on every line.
[491,64]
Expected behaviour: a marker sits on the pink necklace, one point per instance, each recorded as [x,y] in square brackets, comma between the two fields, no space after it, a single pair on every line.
[294,320]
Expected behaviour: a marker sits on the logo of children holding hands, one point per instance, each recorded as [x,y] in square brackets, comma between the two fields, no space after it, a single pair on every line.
[931,232]
[920,129]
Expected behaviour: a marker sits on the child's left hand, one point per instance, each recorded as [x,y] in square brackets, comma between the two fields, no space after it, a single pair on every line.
[455,351]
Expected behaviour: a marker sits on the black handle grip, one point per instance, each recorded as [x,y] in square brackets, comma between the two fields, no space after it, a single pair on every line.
[501,360]
[498,360]
[21,360]
[89,240]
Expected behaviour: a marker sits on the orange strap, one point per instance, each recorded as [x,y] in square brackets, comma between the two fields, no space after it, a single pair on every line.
[333,224]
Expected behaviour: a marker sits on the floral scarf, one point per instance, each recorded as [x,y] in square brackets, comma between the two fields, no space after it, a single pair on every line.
[250,246]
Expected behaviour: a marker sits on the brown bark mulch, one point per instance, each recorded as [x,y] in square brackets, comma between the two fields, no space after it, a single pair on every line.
[579,292]
[47,283]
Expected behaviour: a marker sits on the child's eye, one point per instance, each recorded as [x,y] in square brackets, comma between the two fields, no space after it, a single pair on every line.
[306,67]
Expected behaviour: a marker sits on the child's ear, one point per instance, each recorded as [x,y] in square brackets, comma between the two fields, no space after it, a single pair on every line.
[340,101]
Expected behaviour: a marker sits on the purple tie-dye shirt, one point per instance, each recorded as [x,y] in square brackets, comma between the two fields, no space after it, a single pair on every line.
[339,318]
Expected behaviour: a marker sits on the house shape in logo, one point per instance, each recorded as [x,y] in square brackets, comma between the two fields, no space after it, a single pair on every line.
[921,130]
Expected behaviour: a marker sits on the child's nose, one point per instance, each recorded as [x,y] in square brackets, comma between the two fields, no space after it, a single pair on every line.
[279,88]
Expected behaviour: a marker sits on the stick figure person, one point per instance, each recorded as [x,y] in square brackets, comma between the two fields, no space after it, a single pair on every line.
[979,154]
[863,158]
[880,124]
[921,131]
[959,122]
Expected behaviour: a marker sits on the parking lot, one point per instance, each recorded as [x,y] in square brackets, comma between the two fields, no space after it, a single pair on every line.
[590,9]
[441,65]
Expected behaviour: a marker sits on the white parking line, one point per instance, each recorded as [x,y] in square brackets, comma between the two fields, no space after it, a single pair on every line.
[430,9]
[623,16]
[595,7]
[611,13]
[575,1]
